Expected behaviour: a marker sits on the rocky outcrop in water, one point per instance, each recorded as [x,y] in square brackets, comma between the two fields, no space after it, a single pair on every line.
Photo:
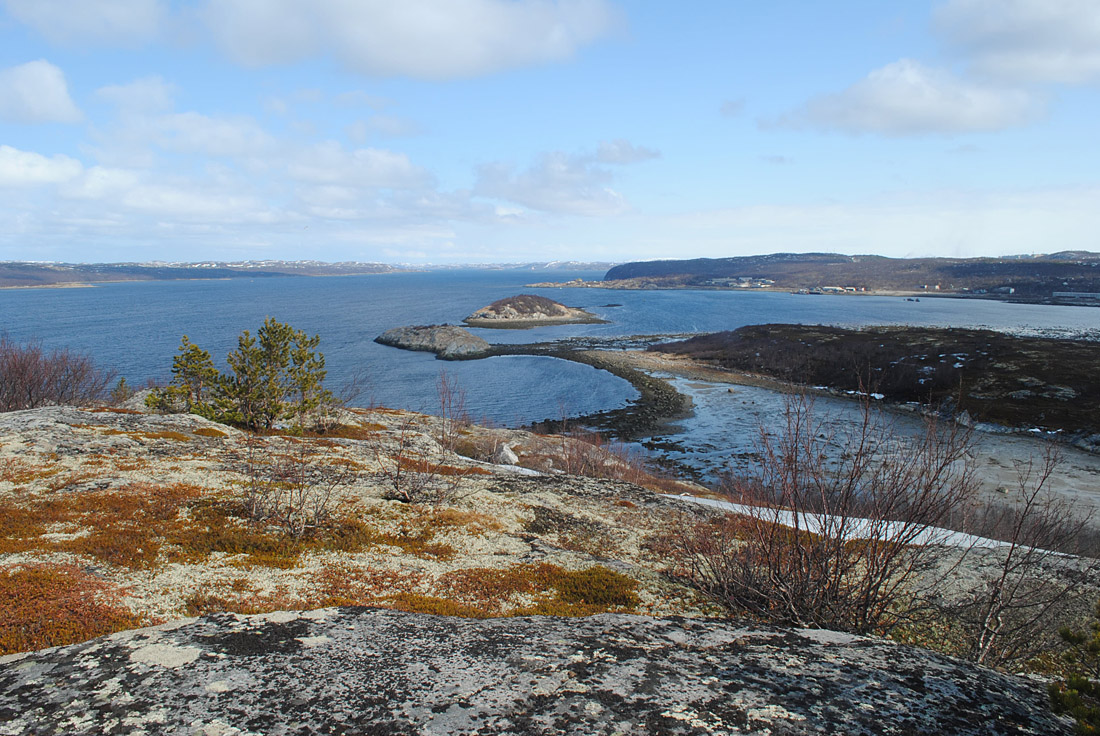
[370,671]
[448,342]
[527,310]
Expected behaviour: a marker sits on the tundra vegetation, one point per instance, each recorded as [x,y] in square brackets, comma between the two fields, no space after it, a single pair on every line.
[838,528]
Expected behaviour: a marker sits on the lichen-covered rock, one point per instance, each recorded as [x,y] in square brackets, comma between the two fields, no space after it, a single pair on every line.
[528,310]
[449,342]
[369,671]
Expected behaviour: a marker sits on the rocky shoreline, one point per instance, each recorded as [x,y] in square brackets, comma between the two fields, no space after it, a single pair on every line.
[448,342]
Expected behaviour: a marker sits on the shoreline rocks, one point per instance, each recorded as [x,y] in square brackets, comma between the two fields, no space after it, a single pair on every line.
[448,342]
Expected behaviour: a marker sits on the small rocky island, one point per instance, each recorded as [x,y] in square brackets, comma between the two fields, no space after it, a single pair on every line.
[527,310]
[448,342]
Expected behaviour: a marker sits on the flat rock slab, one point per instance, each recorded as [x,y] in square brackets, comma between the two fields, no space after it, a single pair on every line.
[369,671]
[449,342]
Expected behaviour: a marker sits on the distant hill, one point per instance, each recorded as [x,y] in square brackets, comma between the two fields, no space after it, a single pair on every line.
[1027,277]
[29,273]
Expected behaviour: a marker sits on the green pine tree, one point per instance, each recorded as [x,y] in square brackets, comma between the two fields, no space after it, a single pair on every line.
[194,378]
[306,376]
[275,375]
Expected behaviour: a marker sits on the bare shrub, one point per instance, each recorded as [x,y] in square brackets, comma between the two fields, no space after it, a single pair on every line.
[1033,584]
[294,489]
[453,417]
[396,458]
[417,468]
[31,377]
[841,540]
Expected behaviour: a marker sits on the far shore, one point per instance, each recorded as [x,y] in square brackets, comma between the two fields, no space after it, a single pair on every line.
[62,285]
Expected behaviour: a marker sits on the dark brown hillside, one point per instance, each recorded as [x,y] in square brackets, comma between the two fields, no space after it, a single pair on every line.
[1015,381]
[1027,277]
[526,304]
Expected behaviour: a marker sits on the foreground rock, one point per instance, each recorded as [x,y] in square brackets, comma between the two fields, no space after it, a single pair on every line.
[527,310]
[446,341]
[361,670]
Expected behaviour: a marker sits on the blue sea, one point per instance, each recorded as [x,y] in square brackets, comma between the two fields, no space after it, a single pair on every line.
[135,328]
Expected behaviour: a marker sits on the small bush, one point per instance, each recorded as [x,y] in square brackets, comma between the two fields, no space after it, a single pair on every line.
[417,603]
[30,377]
[47,606]
[557,592]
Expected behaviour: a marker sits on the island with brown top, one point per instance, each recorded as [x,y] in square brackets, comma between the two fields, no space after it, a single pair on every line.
[528,310]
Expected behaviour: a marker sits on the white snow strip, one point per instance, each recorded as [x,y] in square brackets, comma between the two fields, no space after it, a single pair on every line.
[852,527]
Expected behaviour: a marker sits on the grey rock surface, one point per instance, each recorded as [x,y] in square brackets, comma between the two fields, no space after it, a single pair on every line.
[446,341]
[370,671]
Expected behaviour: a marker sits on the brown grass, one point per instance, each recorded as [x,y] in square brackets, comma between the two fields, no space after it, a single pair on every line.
[418,603]
[209,432]
[19,472]
[202,603]
[349,431]
[345,585]
[421,465]
[473,522]
[556,591]
[46,606]
[168,434]
[417,540]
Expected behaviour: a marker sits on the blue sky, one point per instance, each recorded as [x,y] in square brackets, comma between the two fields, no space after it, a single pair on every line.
[517,130]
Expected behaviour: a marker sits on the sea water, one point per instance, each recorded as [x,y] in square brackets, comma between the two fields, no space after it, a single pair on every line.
[135,328]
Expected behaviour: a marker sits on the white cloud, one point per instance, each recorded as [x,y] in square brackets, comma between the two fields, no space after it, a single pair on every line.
[167,201]
[558,183]
[905,224]
[392,126]
[101,182]
[148,94]
[908,98]
[36,92]
[1026,40]
[431,39]
[77,22]
[623,152]
[192,132]
[330,163]
[26,168]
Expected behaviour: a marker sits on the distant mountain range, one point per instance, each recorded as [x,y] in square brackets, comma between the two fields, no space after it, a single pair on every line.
[30,273]
[1024,277]
[37,273]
